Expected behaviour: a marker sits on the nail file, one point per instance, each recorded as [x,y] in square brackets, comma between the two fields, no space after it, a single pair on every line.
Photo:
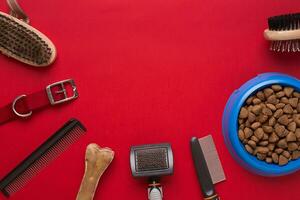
[208,166]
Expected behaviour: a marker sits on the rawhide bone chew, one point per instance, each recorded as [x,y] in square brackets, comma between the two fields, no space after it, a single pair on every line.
[97,160]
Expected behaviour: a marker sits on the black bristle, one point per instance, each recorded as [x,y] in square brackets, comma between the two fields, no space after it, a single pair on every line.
[284,22]
[42,156]
[151,159]
[17,40]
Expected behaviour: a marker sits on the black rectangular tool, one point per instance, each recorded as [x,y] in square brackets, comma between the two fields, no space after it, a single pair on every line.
[208,166]
[42,156]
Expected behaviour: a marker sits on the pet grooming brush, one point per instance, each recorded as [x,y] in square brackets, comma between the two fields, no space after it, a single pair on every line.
[208,166]
[23,42]
[284,33]
[152,161]
[41,157]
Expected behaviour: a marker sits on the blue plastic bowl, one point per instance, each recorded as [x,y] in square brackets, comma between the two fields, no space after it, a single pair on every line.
[230,125]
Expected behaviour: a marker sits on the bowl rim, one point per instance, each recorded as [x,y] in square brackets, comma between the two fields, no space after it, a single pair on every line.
[249,88]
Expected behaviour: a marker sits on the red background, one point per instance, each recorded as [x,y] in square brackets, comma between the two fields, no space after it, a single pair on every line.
[147,72]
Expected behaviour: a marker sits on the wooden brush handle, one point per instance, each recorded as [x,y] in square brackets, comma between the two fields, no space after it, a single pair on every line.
[282,35]
[96,162]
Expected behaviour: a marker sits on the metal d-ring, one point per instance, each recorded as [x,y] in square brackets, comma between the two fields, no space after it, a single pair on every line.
[14,109]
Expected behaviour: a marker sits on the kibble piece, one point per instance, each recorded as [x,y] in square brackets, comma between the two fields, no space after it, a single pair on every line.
[263,143]
[296,94]
[255,125]
[261,156]
[241,135]
[256,101]
[256,109]
[297,119]
[276,88]
[284,120]
[255,139]
[243,113]
[278,150]
[275,157]
[268,160]
[265,137]
[271,106]
[288,109]
[272,121]
[260,95]
[249,149]
[282,160]
[248,132]
[262,150]
[292,126]
[252,144]
[295,155]
[291,137]
[298,107]
[294,102]
[268,92]
[273,138]
[262,118]
[288,91]
[247,123]
[292,146]
[259,133]
[279,105]
[278,113]
[249,100]
[280,130]
[286,154]
[282,144]
[251,117]
[271,147]
[284,100]
[272,99]
[297,133]
[267,111]
[280,94]
[267,129]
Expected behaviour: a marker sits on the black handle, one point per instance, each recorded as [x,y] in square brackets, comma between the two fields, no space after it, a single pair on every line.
[202,171]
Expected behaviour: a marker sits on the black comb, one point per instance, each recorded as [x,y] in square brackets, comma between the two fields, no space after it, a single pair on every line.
[41,157]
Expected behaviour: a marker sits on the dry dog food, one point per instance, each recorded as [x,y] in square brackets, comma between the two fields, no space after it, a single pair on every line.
[269,125]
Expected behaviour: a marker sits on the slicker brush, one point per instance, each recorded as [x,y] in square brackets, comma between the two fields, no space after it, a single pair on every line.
[21,41]
[284,33]
[152,161]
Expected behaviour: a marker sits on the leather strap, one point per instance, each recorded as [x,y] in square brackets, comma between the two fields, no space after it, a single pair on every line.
[16,11]
[24,105]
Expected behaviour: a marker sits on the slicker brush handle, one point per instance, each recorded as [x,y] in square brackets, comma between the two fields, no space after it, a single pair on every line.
[214,197]
[155,194]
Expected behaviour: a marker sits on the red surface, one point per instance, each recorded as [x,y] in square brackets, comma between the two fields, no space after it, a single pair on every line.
[147,72]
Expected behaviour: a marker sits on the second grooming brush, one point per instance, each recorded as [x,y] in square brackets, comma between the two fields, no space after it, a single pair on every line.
[152,161]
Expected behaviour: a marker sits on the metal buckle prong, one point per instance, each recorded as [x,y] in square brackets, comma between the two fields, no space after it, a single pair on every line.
[62,91]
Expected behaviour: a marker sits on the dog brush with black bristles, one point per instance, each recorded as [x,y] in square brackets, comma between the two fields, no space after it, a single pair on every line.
[21,41]
[284,33]
[41,157]
[152,161]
